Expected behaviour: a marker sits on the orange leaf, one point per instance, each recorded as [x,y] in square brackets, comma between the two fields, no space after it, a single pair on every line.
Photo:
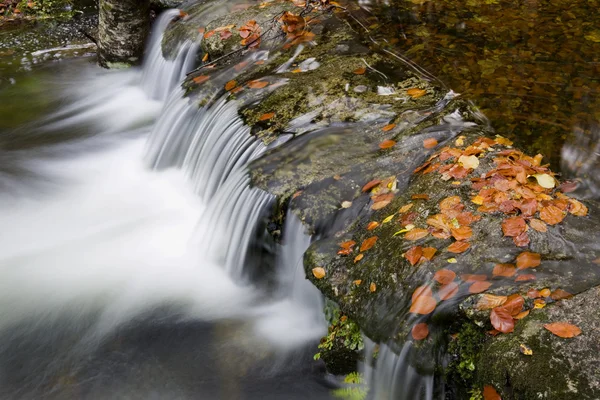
[230,85]
[462,233]
[513,226]
[479,286]
[380,204]
[563,329]
[449,203]
[429,252]
[560,294]
[201,79]
[358,257]
[413,255]
[420,197]
[388,127]
[430,143]
[415,93]
[205,57]
[489,393]
[577,208]
[506,270]
[525,277]
[522,314]
[458,247]
[444,276]
[416,234]
[266,116]
[318,272]
[372,287]
[208,34]
[473,278]
[424,291]
[386,144]
[368,243]
[538,225]
[448,291]
[502,320]
[360,71]
[528,260]
[420,331]
[551,215]
[545,292]
[372,225]
[347,244]
[514,304]
[489,301]
[423,305]
[370,185]
[256,84]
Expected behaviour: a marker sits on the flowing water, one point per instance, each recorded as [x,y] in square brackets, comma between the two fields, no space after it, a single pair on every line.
[128,260]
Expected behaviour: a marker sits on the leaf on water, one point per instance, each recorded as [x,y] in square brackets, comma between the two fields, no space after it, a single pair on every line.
[413,255]
[388,127]
[560,294]
[420,331]
[502,320]
[429,252]
[479,287]
[416,234]
[372,225]
[370,185]
[489,301]
[368,243]
[473,277]
[270,115]
[506,270]
[360,71]
[372,287]
[489,393]
[422,196]
[430,143]
[358,258]
[458,247]
[230,85]
[538,225]
[201,79]
[551,215]
[525,350]
[528,260]
[563,329]
[448,291]
[471,162]
[258,84]
[318,272]
[544,180]
[513,226]
[422,291]
[346,204]
[444,276]
[577,208]
[423,305]
[386,144]
[462,233]
[415,93]
[525,277]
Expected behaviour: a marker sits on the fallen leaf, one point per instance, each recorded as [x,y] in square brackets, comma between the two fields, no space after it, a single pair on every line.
[370,185]
[544,180]
[205,57]
[368,243]
[525,350]
[372,287]
[430,143]
[372,225]
[423,305]
[522,240]
[502,320]
[533,294]
[421,291]
[270,115]
[452,260]
[551,215]
[513,226]
[386,144]
[420,197]
[358,258]
[230,85]
[360,71]
[539,303]
[420,331]
[415,93]
[429,252]
[449,203]
[416,234]
[462,233]
[489,301]
[577,208]
[380,204]
[528,260]
[514,304]
[489,393]
[506,270]
[388,219]
[201,79]
[538,225]
[473,277]
[347,244]
[318,272]
[444,276]
[448,291]
[458,247]
[545,292]
[521,315]
[560,294]
[225,35]
[471,162]
[479,287]
[357,282]
[257,84]
[405,208]
[346,204]
[413,255]
[525,277]
[563,329]
[388,127]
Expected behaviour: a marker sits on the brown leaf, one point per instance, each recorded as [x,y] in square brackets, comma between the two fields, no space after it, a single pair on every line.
[538,225]
[420,197]
[230,85]
[522,240]
[444,276]
[423,305]
[489,301]
[458,247]
[577,208]
[420,331]
[502,320]
[473,277]
[522,314]
[506,270]
[479,287]
[266,116]
[370,185]
[514,304]
[513,226]
[422,291]
[429,252]
[368,243]
[430,143]
[528,260]
[525,277]
[489,393]
[358,258]
[416,234]
[551,215]
[386,144]
[372,225]
[405,208]
[360,71]
[462,233]
[415,93]
[413,255]
[388,127]
[257,84]
[563,329]
[380,204]
[225,35]
[201,79]
[347,244]
[448,291]
[449,203]
[560,294]
[545,292]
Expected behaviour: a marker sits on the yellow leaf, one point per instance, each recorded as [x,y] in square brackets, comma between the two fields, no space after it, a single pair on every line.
[469,161]
[357,282]
[318,272]
[460,141]
[372,287]
[358,257]
[525,350]
[478,200]
[415,93]
[452,260]
[545,180]
[405,208]
[388,219]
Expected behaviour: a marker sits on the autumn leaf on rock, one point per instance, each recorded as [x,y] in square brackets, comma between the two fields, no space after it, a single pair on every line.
[421,291]
[372,225]
[388,127]
[551,215]
[420,331]
[528,260]
[448,291]
[258,84]
[318,272]
[370,185]
[372,287]
[538,225]
[473,277]
[430,143]
[577,208]
[429,252]
[560,294]
[563,329]
[489,393]
[444,276]
[489,301]
[413,255]
[386,144]
[471,162]
[415,93]
[458,247]
[423,305]
[360,71]
[201,79]
[514,304]
[462,233]
[506,270]
[479,287]
[416,234]
[513,226]
[420,196]
[502,320]
[358,258]
[230,85]
[266,116]
[347,244]
[525,277]
[522,240]
[368,243]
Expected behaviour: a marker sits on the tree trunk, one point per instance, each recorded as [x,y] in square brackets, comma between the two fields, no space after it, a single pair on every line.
[122,29]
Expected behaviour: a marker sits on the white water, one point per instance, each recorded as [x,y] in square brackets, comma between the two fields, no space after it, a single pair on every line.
[109,240]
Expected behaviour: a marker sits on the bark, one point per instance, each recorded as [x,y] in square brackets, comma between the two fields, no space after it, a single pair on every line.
[122,29]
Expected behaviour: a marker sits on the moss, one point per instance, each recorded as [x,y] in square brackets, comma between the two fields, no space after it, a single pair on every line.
[464,351]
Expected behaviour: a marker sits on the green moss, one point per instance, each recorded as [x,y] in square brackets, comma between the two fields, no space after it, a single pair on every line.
[464,350]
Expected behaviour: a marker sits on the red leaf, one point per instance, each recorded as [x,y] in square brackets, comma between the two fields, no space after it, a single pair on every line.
[413,255]
[502,320]
[420,331]
[489,393]
[513,226]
